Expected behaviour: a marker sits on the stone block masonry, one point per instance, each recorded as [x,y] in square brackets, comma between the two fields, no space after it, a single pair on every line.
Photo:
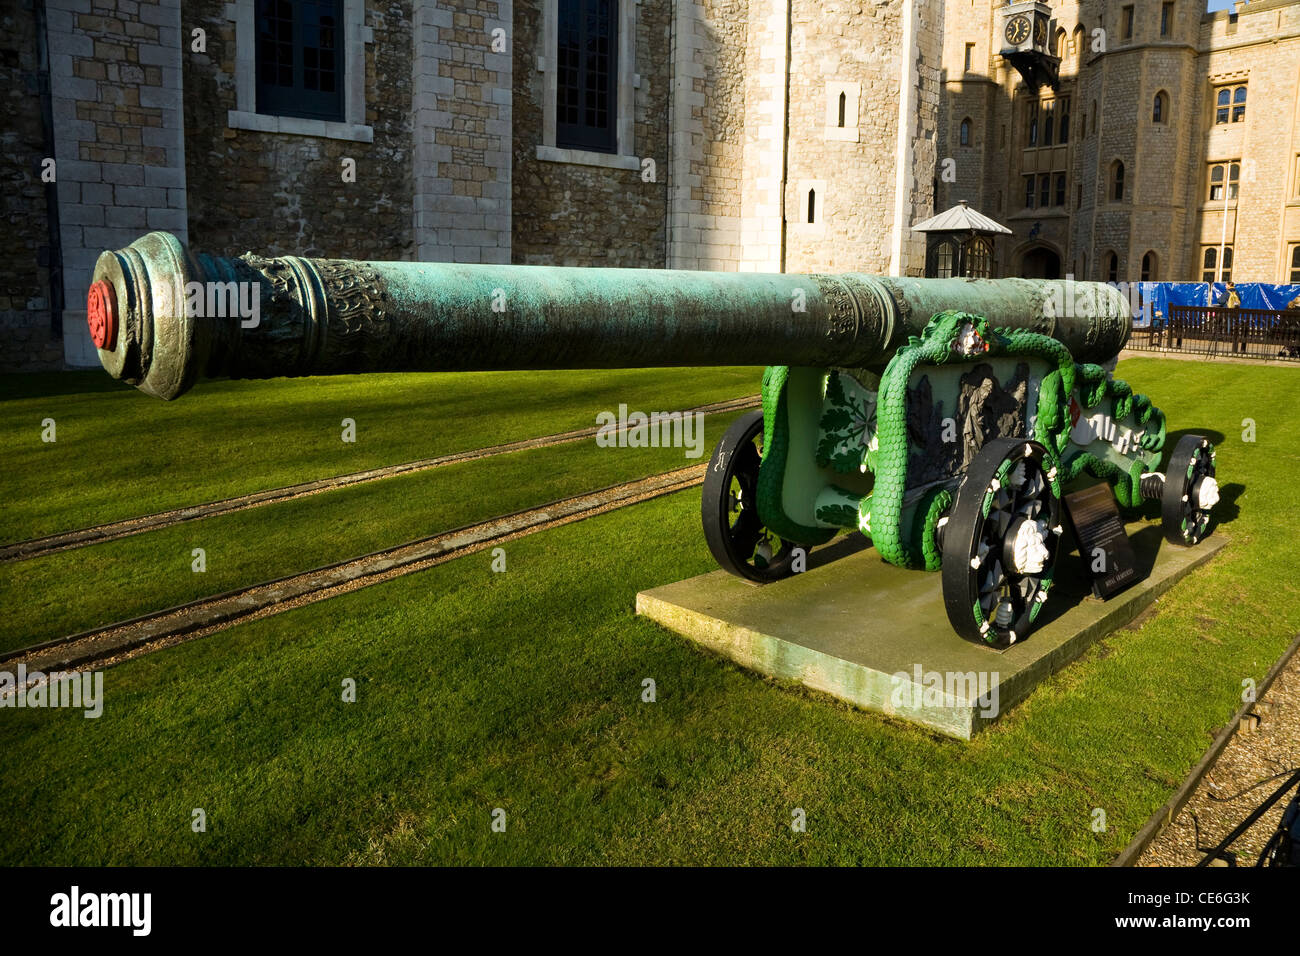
[30,343]
[572,207]
[462,76]
[1161,223]
[276,183]
[757,142]
[723,111]
[116,100]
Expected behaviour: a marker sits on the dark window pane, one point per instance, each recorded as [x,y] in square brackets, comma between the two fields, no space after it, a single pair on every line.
[585,71]
[298,70]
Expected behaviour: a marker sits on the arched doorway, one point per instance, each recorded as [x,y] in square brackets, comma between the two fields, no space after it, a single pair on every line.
[1040,263]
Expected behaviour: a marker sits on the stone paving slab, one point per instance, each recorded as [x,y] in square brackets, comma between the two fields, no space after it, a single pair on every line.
[877,636]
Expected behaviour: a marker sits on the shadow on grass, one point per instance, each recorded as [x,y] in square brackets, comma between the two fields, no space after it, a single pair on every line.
[1226,511]
[22,385]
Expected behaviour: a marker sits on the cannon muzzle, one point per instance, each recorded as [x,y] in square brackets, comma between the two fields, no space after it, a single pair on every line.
[162,317]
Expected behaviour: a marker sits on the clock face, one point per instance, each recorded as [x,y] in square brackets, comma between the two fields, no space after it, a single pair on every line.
[1040,32]
[1017,30]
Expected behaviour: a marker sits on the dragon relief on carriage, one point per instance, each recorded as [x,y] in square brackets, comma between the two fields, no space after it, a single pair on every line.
[953,459]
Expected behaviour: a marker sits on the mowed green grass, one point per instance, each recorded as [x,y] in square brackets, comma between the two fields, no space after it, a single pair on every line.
[523,691]
[120,453]
[47,597]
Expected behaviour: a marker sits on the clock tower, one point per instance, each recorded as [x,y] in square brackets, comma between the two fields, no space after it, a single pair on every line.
[1026,33]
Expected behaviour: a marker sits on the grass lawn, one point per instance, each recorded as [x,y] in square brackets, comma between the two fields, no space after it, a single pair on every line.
[120,454]
[47,597]
[522,690]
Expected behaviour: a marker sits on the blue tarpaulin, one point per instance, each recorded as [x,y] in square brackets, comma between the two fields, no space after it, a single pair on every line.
[1161,295]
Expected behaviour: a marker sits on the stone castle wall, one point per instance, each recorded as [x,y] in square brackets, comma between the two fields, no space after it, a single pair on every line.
[850,170]
[726,115]
[1165,209]
[29,342]
[587,209]
[277,192]
[708,140]
[463,71]
[116,104]
[1264,50]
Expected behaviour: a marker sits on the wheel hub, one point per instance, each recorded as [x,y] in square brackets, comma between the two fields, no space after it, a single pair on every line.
[1206,493]
[1026,546]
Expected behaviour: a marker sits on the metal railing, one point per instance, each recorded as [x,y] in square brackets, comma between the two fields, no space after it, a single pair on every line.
[1215,330]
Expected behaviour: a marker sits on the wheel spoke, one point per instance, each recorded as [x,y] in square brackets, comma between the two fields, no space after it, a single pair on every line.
[745,533]
[746,461]
[1001,521]
[994,578]
[733,527]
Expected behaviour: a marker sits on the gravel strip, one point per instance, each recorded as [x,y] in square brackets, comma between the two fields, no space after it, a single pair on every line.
[111,645]
[79,538]
[1258,750]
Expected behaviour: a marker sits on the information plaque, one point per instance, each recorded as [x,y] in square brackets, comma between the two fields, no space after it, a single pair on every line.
[1103,543]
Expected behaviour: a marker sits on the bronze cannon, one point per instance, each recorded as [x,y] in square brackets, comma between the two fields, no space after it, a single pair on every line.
[940,417]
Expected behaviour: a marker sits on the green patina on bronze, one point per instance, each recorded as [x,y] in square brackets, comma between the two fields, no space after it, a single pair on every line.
[333,316]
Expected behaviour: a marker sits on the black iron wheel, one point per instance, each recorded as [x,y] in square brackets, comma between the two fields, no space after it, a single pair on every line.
[729,507]
[1190,491]
[1000,543]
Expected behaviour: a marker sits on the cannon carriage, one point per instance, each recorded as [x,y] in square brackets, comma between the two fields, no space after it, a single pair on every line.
[939,417]
[953,458]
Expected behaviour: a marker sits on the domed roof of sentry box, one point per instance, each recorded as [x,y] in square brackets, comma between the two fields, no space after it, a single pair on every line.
[961,218]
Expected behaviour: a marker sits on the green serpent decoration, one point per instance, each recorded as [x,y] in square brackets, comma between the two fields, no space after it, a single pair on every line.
[881,512]
[1095,386]
[933,347]
[776,446]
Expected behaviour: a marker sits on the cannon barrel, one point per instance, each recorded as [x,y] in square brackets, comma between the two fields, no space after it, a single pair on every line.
[162,317]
